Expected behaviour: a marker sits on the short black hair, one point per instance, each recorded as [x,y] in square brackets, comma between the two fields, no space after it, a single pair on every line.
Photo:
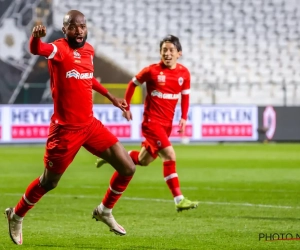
[171,39]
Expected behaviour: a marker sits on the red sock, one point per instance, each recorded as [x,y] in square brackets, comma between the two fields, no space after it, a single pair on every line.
[33,194]
[118,184]
[171,177]
[135,157]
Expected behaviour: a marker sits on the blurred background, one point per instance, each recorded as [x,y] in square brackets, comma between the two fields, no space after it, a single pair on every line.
[239,52]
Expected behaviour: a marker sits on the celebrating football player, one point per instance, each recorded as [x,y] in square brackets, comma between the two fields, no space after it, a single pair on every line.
[73,124]
[165,82]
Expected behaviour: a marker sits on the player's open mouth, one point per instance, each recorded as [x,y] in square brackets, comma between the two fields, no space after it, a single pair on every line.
[79,39]
[168,60]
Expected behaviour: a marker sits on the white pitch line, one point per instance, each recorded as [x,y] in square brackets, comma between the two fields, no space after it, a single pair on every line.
[213,189]
[148,187]
[215,203]
[198,188]
[165,200]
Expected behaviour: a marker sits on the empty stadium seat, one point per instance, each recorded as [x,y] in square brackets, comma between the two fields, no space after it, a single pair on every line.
[238,45]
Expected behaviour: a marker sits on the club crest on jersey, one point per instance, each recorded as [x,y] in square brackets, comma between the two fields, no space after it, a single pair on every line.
[76,54]
[74,73]
[180,81]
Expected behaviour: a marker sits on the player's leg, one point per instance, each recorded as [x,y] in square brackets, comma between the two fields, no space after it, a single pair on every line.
[145,156]
[104,144]
[168,157]
[150,146]
[141,158]
[157,142]
[57,158]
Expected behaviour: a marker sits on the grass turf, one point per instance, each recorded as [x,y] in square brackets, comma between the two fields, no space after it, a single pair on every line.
[244,190]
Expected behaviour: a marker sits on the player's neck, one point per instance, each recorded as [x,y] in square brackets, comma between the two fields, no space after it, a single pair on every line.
[173,66]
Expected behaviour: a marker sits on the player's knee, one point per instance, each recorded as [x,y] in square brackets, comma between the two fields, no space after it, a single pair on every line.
[169,157]
[49,184]
[167,154]
[128,170]
[144,162]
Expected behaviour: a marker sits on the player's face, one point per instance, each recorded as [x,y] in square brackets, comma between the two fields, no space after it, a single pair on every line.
[169,54]
[76,31]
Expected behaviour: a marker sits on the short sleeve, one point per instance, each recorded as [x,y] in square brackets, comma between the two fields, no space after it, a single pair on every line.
[142,76]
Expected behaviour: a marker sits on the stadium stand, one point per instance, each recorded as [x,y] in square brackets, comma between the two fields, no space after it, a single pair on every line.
[16,63]
[238,51]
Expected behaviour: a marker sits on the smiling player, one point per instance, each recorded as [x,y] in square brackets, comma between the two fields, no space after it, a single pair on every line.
[166,82]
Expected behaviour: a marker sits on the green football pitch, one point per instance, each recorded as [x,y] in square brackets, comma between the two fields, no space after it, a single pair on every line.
[249,194]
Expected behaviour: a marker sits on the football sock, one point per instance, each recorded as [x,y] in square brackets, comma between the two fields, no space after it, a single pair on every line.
[178,199]
[33,194]
[171,178]
[104,208]
[118,184]
[134,156]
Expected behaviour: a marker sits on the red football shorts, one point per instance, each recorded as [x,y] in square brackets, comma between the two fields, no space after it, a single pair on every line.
[63,144]
[156,135]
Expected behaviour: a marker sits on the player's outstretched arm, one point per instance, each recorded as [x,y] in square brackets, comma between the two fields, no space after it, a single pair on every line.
[118,102]
[36,46]
[98,87]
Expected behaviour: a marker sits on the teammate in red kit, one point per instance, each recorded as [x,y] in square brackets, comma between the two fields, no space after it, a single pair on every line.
[165,81]
[73,125]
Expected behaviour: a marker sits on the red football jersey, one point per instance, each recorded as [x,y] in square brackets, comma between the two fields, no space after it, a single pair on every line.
[71,73]
[164,88]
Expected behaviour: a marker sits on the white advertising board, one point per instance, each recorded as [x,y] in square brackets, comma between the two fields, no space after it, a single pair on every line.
[30,123]
[228,123]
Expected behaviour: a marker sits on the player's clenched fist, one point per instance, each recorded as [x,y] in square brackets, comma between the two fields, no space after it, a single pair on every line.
[39,31]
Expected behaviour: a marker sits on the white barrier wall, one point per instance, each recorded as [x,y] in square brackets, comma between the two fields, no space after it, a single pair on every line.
[30,123]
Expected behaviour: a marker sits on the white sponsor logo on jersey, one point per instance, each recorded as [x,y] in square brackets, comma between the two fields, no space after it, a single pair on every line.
[165,96]
[77,75]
